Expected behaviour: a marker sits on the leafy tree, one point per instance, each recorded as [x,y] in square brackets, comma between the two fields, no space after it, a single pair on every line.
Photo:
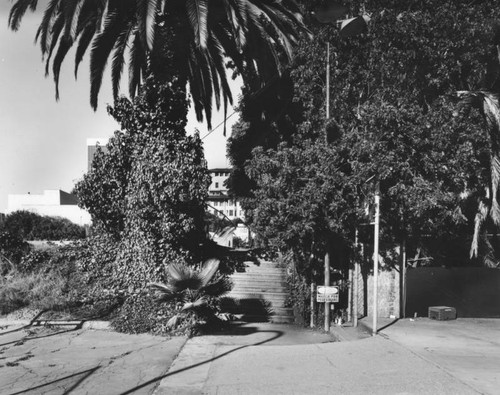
[393,92]
[305,201]
[176,41]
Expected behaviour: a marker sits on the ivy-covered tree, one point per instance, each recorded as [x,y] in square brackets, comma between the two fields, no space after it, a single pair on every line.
[148,188]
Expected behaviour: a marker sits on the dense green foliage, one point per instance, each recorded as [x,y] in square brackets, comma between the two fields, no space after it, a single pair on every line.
[12,249]
[393,116]
[32,226]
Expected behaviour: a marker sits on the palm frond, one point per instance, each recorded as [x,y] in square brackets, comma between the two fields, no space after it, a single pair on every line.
[65,44]
[101,49]
[208,271]
[44,32]
[495,181]
[197,304]
[173,321]
[71,10]
[163,290]
[18,10]
[197,12]
[119,57]
[146,18]
[56,30]
[481,216]
[218,288]
[137,63]
[83,44]
[182,277]
[244,31]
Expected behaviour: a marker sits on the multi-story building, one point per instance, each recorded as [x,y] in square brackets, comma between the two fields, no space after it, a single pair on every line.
[52,203]
[219,201]
[92,145]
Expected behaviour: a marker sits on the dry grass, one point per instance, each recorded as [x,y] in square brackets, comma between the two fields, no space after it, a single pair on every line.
[36,290]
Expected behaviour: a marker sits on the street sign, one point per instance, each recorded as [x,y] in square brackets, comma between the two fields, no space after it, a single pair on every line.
[327,294]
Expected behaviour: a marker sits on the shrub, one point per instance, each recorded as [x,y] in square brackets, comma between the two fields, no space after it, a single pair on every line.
[12,249]
[143,313]
[32,226]
[33,261]
[197,293]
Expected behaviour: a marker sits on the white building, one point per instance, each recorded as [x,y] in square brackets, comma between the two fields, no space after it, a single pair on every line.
[52,203]
[219,201]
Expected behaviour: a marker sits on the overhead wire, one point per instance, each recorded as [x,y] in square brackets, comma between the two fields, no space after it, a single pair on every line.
[271,81]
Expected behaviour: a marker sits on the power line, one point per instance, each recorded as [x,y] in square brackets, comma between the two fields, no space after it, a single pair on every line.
[251,97]
[220,124]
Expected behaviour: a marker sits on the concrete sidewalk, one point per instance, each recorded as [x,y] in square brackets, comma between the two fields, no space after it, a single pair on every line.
[408,357]
[466,348]
[372,365]
[63,360]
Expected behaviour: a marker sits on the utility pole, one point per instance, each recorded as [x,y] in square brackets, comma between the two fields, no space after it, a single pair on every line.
[327,253]
[327,284]
[375,257]
[354,284]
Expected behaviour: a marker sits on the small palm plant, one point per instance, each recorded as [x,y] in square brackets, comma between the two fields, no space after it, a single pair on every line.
[196,291]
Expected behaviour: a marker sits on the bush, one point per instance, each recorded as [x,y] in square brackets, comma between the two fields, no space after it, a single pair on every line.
[33,261]
[12,249]
[32,226]
[143,313]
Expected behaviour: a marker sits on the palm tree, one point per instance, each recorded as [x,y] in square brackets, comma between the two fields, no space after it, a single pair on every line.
[487,100]
[179,42]
[196,291]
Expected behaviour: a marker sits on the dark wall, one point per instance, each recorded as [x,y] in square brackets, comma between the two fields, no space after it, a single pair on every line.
[474,292]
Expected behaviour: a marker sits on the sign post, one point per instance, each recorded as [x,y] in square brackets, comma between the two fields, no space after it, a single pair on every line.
[327,294]
[375,258]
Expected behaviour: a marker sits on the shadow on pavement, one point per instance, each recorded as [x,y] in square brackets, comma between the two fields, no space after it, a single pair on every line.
[244,332]
[28,337]
[388,325]
[84,374]
[25,326]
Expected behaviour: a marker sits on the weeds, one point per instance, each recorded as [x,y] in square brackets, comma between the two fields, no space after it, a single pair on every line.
[37,290]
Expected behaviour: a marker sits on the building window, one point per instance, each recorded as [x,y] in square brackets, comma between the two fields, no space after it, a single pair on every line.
[230,213]
[217,185]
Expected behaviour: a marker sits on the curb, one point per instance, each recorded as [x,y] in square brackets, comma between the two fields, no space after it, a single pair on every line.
[77,324]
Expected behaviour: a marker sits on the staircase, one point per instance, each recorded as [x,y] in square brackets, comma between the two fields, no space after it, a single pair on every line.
[259,294]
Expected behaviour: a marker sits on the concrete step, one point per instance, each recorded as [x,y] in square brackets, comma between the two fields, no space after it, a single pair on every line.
[277,319]
[257,295]
[262,269]
[248,275]
[259,288]
[263,304]
[257,309]
[262,264]
[259,280]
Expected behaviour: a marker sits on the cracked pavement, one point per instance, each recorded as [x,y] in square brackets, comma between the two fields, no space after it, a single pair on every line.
[46,360]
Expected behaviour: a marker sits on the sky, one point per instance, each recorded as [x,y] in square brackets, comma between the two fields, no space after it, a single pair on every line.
[42,141]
